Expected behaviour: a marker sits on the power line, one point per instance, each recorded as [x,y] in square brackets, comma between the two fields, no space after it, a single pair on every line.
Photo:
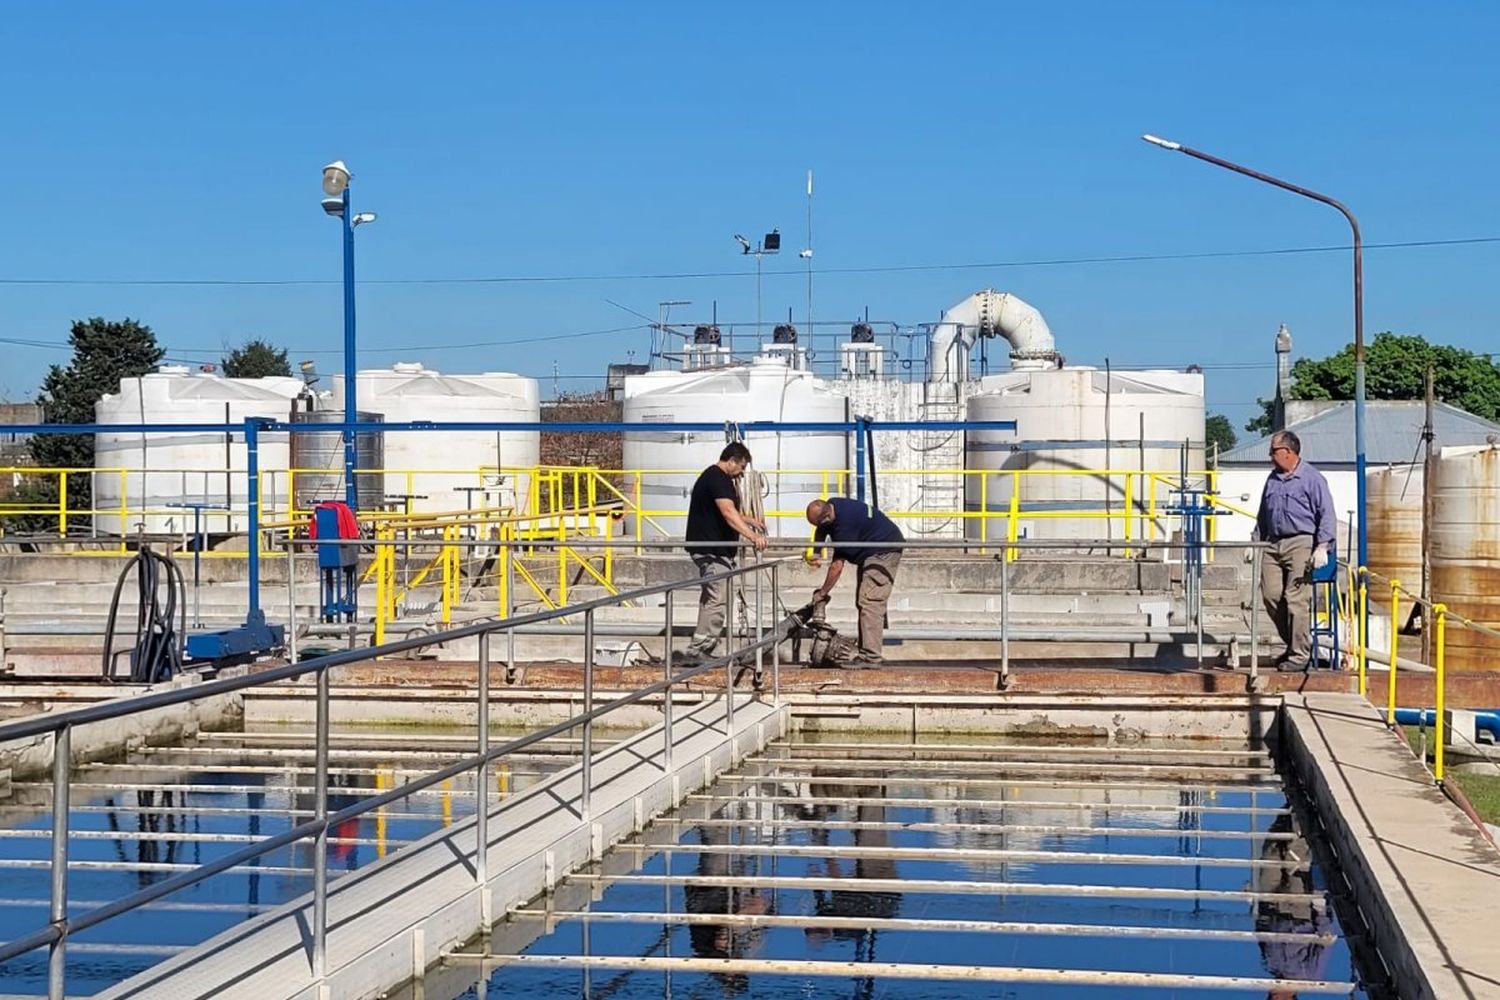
[687,275]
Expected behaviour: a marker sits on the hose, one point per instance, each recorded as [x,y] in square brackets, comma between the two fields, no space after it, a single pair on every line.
[158,651]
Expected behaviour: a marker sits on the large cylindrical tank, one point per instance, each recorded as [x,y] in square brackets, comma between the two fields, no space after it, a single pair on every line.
[454,470]
[793,464]
[1394,498]
[318,461]
[1466,551]
[142,481]
[1152,421]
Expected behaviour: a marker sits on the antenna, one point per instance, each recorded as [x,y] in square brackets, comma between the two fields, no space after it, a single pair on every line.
[807,254]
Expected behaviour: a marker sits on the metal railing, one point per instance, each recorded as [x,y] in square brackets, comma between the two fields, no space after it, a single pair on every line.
[60,725]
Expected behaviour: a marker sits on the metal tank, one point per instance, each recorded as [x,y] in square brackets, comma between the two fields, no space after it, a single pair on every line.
[1072,423]
[318,460]
[1466,550]
[147,474]
[767,389]
[454,470]
[1394,498]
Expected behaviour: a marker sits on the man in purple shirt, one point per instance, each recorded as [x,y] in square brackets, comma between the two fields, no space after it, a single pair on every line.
[1296,520]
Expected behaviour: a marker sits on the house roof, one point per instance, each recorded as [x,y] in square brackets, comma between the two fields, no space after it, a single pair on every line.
[1393,432]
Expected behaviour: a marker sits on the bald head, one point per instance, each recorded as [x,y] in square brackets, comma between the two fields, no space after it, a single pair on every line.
[819,512]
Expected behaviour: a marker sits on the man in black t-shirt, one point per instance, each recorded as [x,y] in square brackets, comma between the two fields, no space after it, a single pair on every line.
[714,516]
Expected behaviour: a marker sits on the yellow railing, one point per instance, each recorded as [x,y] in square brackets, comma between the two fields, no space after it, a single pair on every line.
[1126,504]
[1442,617]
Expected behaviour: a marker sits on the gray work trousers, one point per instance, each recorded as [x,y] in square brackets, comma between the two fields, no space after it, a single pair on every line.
[1287,593]
[713,604]
[877,577]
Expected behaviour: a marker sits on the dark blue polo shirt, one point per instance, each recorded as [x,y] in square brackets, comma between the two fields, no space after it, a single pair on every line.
[858,522]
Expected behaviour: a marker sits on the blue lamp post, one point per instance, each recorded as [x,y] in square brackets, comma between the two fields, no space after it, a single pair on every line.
[336,186]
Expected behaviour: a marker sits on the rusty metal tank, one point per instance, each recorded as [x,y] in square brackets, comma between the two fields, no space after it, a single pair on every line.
[1466,551]
[1395,505]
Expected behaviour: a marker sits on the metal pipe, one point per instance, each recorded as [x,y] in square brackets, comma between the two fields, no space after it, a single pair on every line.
[957,887]
[1255,569]
[956,854]
[586,803]
[1004,619]
[351,390]
[778,824]
[729,668]
[951,926]
[963,803]
[291,602]
[57,959]
[666,702]
[320,844]
[880,971]
[482,783]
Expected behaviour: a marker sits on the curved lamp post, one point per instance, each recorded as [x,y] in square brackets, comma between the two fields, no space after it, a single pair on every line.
[1359,312]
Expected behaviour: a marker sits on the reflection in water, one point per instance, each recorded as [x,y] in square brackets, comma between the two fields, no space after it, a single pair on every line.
[724,940]
[842,903]
[1290,959]
[156,812]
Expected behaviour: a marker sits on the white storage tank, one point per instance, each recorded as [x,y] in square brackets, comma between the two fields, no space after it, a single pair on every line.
[164,469]
[440,468]
[1062,423]
[1466,550]
[766,389]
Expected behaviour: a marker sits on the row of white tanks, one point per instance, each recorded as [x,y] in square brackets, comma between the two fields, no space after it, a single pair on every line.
[1153,418]
[153,478]
[1464,544]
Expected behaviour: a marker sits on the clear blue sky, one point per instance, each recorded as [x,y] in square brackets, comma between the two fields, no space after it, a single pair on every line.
[184,141]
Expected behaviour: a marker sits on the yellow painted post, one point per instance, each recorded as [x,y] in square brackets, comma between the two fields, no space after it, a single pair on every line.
[448,802]
[1013,528]
[125,509]
[62,505]
[1362,629]
[503,564]
[593,481]
[381,584]
[1151,512]
[447,562]
[291,494]
[1440,617]
[984,509]
[562,565]
[383,780]
[1129,503]
[639,527]
[1390,677]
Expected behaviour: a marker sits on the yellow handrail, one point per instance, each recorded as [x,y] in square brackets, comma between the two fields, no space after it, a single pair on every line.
[1440,643]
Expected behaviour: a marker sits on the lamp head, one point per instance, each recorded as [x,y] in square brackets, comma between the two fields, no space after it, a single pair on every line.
[362,217]
[335,178]
[1157,140]
[744,243]
[334,206]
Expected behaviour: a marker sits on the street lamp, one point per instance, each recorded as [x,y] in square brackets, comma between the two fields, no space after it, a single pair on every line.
[1363,544]
[769,245]
[336,179]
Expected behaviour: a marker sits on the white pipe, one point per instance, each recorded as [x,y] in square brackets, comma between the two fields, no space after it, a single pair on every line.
[989,313]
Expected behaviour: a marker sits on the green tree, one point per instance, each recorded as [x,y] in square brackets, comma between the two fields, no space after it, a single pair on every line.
[256,358]
[1218,433]
[1395,366]
[104,353]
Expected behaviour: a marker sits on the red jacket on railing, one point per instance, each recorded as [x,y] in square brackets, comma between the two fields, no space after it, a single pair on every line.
[348,523]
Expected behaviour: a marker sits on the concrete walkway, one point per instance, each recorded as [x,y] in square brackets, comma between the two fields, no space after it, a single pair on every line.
[398,915]
[1427,880]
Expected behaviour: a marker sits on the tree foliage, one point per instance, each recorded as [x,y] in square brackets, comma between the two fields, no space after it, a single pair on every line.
[104,353]
[1218,433]
[256,358]
[1395,367]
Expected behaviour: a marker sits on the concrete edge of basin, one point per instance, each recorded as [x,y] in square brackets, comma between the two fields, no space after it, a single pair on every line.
[1423,876]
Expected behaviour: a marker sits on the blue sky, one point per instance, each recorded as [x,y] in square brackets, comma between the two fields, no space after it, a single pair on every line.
[172,141]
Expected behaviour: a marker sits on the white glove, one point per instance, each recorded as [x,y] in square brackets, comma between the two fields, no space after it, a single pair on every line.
[1320,557]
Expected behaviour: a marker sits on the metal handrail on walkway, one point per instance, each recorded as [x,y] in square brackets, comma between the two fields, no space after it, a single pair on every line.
[60,725]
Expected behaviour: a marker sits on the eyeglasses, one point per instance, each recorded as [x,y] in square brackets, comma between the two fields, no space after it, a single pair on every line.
[1279,448]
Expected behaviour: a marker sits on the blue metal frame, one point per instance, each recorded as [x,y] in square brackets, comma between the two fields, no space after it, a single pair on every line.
[351,389]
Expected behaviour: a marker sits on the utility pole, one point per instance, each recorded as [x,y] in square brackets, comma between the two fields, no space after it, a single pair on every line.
[1429,472]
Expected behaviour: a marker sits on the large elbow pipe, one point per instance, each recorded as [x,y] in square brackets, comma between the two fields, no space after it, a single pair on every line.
[990,314]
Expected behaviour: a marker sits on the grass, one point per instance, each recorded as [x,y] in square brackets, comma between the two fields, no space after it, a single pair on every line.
[1481,789]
